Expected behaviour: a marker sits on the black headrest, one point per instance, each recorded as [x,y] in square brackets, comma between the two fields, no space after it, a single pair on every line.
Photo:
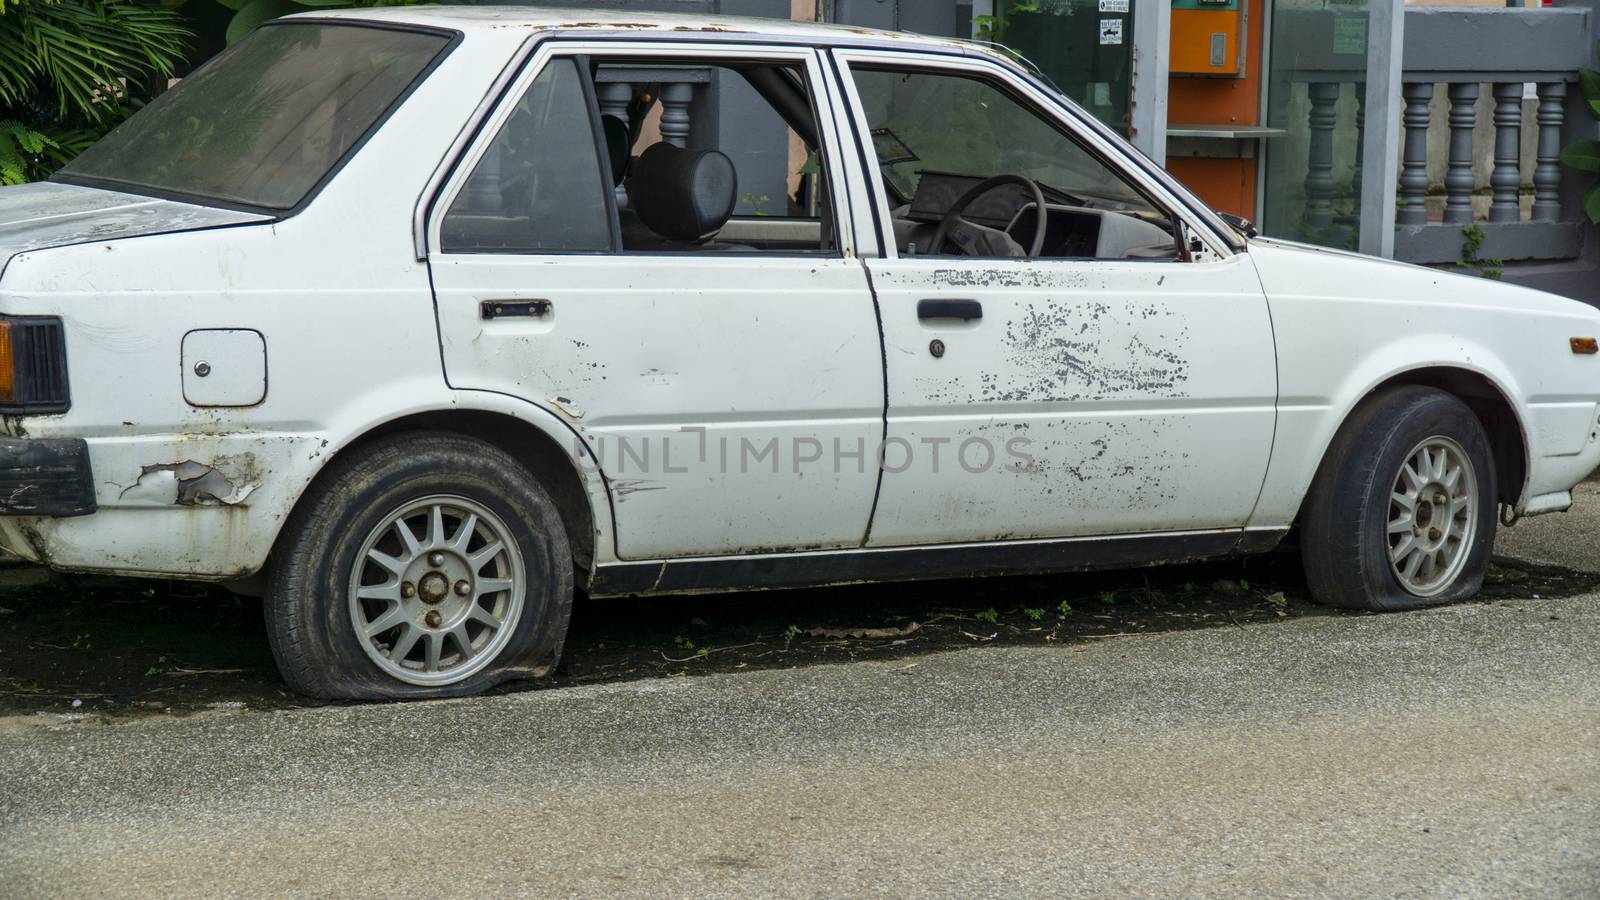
[684,195]
[616,146]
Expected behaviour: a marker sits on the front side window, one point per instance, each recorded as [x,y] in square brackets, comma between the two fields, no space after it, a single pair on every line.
[266,120]
[939,136]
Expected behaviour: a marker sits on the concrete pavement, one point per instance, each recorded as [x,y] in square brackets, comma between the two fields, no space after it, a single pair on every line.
[1448,752]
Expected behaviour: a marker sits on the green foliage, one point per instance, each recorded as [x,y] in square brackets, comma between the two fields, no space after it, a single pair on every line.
[71,70]
[1032,613]
[80,54]
[1591,203]
[993,28]
[1472,242]
[1065,609]
[989,615]
[758,201]
[1585,155]
[1589,84]
[1582,155]
[686,644]
[21,148]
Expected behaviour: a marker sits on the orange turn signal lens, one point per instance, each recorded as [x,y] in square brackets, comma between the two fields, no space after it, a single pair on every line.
[7,363]
[1585,345]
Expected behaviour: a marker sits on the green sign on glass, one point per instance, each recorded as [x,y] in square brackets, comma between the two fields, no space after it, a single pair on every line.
[1350,35]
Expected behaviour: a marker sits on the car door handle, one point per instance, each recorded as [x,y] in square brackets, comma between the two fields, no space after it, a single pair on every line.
[505,309]
[947,308]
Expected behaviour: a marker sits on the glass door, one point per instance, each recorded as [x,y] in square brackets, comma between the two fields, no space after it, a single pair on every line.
[1315,92]
[1084,46]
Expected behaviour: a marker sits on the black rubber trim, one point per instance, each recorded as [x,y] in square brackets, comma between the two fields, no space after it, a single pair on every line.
[949,308]
[45,477]
[922,563]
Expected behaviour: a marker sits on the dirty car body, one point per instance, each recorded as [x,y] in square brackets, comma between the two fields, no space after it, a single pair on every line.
[996,341]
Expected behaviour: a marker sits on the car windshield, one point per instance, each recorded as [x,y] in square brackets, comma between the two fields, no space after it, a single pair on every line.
[268,119]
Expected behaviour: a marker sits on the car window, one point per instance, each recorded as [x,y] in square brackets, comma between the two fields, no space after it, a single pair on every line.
[539,186]
[938,135]
[266,120]
[715,157]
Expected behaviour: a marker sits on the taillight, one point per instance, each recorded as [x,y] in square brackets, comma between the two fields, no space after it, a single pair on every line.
[33,365]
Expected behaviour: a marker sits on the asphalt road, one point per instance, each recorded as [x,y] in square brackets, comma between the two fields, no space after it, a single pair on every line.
[1449,752]
[1570,539]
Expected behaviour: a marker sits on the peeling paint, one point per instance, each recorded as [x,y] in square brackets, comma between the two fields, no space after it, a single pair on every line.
[565,405]
[1060,351]
[622,488]
[1009,277]
[189,483]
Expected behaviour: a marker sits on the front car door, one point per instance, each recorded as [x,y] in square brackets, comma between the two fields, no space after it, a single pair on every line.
[1121,381]
[726,376]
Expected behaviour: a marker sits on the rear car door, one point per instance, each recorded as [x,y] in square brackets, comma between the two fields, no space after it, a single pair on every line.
[1121,382]
[714,381]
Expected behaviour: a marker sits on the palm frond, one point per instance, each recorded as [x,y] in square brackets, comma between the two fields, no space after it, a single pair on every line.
[85,52]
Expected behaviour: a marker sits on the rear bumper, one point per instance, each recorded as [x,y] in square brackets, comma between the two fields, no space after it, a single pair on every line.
[45,477]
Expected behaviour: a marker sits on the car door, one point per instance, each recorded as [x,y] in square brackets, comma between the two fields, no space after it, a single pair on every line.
[713,386]
[1090,393]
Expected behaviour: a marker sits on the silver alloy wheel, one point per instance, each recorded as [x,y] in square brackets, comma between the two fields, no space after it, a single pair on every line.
[436,591]
[1433,516]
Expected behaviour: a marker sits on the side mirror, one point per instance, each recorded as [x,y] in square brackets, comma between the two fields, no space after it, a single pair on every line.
[1239,223]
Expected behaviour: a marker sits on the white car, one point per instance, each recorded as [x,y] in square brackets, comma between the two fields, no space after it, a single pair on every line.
[418,321]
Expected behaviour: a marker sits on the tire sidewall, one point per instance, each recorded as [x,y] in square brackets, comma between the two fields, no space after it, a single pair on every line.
[357,499]
[1433,415]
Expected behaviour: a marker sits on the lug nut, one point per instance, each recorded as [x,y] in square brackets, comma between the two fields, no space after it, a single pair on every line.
[436,559]
[408,590]
[1433,534]
[462,588]
[1440,498]
[432,619]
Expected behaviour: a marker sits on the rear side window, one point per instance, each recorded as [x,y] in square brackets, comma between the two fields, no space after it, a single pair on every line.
[538,188]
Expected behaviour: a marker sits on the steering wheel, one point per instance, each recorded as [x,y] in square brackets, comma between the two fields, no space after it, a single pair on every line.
[953,217]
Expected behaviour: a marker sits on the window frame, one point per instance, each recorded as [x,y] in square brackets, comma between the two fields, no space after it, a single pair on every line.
[587,51]
[1047,109]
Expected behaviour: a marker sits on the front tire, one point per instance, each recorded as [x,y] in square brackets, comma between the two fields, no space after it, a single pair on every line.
[421,565]
[1402,512]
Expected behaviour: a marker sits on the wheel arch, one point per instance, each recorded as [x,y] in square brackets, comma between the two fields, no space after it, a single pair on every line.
[1485,395]
[582,497]
[1489,401]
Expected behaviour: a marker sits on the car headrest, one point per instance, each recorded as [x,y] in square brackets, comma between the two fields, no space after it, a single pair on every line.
[617,147]
[684,195]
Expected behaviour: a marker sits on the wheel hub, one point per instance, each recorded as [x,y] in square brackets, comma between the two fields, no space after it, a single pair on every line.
[436,590]
[433,587]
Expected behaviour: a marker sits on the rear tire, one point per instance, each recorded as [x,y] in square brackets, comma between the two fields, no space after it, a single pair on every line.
[422,565]
[1402,512]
